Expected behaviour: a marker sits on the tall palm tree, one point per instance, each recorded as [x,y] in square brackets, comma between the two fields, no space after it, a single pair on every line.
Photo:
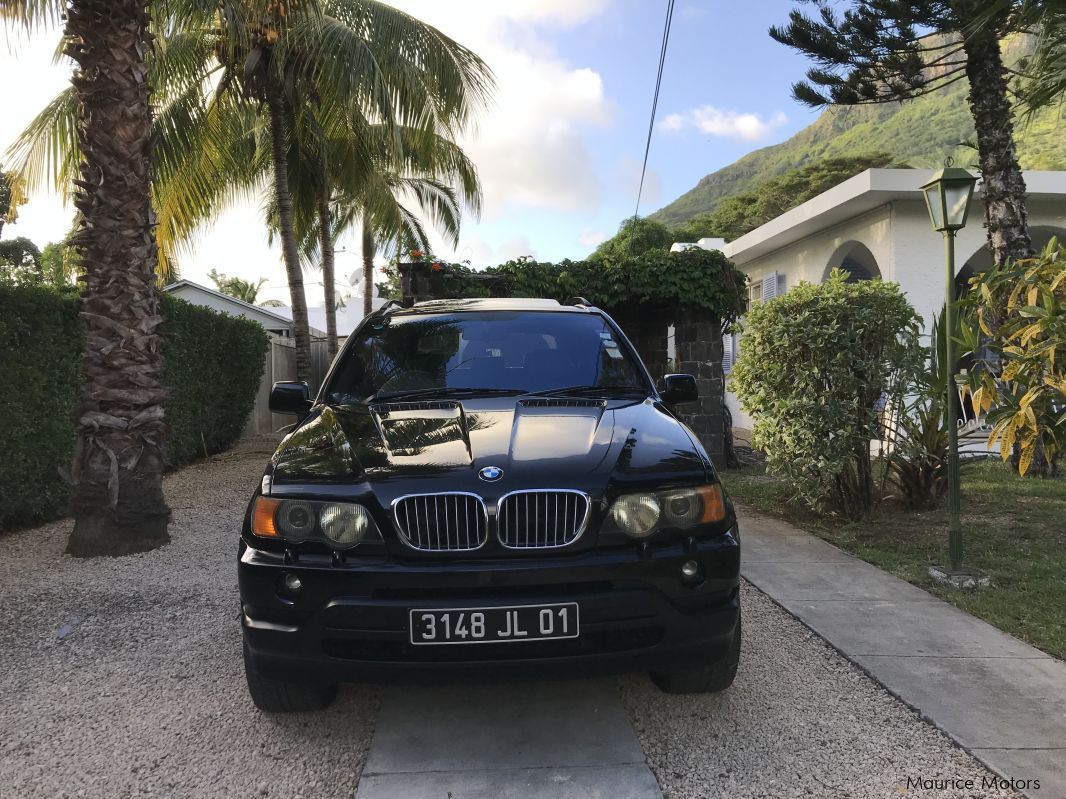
[386,194]
[118,498]
[272,70]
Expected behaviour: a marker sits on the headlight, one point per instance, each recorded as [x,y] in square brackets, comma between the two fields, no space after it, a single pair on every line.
[336,524]
[344,525]
[641,515]
[296,520]
[636,514]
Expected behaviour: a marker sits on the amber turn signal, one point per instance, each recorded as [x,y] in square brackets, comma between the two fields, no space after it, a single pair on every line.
[263,517]
[713,504]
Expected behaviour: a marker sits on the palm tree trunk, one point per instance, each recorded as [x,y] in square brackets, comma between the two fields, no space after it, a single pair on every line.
[117,469]
[289,250]
[369,250]
[328,278]
[1003,185]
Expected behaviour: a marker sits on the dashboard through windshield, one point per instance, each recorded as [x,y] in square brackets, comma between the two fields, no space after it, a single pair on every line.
[495,351]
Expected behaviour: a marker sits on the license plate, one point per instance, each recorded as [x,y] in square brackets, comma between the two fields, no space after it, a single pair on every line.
[494,625]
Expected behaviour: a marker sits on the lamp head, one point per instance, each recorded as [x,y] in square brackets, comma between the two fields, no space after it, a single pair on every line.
[947,196]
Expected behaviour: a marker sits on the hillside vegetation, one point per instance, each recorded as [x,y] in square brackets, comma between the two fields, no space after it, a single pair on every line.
[918,133]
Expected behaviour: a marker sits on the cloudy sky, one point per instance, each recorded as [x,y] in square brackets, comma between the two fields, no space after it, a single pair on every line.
[559,151]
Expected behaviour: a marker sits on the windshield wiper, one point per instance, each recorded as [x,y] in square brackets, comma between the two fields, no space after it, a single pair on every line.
[444,391]
[595,391]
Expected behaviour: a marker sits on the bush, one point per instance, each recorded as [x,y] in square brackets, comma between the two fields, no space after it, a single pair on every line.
[212,366]
[918,463]
[814,366]
[1021,308]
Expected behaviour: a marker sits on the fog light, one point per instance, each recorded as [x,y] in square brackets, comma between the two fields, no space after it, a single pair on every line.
[290,586]
[691,572]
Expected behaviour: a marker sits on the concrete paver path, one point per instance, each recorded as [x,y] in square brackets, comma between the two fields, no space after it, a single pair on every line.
[1000,698]
[557,740]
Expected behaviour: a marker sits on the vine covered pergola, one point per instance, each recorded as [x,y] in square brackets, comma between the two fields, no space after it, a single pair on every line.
[698,292]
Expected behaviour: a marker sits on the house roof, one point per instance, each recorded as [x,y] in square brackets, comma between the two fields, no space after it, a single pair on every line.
[857,195]
[286,321]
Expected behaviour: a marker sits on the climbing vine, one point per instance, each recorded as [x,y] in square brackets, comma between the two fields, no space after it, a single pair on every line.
[693,278]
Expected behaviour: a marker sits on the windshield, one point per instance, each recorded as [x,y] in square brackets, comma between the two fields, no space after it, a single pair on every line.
[497,350]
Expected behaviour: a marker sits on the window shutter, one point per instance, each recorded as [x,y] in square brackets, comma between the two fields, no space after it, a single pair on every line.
[769,286]
[728,352]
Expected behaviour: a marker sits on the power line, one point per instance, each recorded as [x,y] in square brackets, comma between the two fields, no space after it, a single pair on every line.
[655,98]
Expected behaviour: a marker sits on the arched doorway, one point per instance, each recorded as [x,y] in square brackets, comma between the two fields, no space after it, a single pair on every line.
[854,258]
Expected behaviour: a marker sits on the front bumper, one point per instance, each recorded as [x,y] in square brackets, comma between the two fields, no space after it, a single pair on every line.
[351,620]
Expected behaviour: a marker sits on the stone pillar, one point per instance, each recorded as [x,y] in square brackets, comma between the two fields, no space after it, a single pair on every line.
[419,282]
[647,328]
[698,339]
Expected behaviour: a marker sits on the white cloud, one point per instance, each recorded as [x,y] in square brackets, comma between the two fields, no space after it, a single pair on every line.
[591,238]
[529,145]
[712,121]
[515,247]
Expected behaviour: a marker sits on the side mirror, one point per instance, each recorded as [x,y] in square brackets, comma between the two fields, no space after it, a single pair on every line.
[290,397]
[676,389]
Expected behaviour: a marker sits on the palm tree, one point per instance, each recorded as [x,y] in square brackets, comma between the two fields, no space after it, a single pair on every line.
[331,69]
[433,179]
[244,290]
[275,71]
[118,499]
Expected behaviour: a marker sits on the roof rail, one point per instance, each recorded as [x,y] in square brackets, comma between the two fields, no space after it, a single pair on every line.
[578,301]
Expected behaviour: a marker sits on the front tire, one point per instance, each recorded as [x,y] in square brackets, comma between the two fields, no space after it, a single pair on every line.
[710,678]
[279,696]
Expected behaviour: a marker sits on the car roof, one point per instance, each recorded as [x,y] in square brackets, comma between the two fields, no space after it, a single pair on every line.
[490,304]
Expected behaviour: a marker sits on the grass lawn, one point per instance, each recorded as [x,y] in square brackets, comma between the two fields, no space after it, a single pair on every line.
[1014,529]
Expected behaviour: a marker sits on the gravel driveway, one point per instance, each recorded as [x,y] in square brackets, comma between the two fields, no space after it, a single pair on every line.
[123,678]
[800,721]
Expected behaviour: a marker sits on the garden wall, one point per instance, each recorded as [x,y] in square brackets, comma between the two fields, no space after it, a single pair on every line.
[212,365]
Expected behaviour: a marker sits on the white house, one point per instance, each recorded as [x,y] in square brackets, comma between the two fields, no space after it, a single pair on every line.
[872,225]
[276,321]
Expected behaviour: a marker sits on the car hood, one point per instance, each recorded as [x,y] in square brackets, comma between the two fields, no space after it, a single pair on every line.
[416,447]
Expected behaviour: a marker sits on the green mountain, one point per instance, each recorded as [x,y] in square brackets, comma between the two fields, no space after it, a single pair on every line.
[920,133]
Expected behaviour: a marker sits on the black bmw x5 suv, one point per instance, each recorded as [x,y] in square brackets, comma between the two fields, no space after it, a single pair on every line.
[487,484]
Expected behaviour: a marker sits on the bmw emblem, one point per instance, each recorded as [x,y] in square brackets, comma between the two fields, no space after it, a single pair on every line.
[490,474]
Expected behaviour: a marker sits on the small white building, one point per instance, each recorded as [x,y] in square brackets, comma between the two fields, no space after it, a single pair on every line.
[276,321]
[875,225]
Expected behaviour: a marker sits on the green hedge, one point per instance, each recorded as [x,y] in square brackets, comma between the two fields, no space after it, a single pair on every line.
[212,366]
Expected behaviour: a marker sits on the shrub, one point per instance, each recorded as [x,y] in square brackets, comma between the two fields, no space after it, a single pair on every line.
[212,366]
[1021,307]
[814,365]
[918,463]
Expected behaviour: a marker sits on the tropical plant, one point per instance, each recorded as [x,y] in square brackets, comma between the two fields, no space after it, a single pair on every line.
[388,200]
[20,262]
[1043,82]
[59,264]
[244,290]
[240,83]
[814,365]
[887,51]
[11,197]
[1021,308]
[118,501]
[916,427]
[636,235]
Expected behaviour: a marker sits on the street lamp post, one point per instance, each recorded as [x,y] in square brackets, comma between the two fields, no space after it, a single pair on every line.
[947,196]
